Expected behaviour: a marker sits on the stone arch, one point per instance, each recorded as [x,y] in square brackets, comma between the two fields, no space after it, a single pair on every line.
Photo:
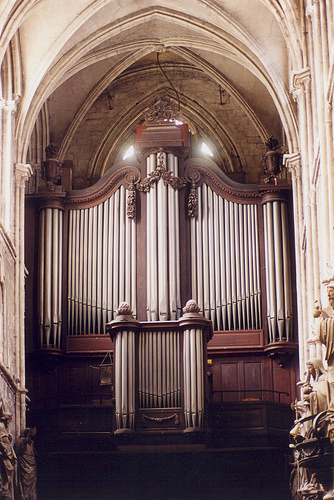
[251,59]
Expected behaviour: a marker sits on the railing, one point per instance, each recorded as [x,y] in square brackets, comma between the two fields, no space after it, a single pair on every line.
[269,395]
[75,400]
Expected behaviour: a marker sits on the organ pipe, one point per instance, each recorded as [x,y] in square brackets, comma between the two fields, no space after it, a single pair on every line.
[195,329]
[50,279]
[162,226]
[279,296]
[225,261]
[125,368]
[102,250]
[159,385]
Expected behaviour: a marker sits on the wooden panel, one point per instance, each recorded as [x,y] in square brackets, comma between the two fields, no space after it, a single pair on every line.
[83,419]
[236,340]
[281,381]
[77,380]
[229,380]
[253,380]
[155,419]
[238,418]
[88,343]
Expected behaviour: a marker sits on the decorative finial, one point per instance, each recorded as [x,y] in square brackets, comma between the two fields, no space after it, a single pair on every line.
[273,158]
[272,144]
[124,310]
[191,307]
[51,171]
[51,151]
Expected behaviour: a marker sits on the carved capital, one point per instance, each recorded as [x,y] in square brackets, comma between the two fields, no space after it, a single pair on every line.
[10,106]
[300,82]
[292,162]
[22,173]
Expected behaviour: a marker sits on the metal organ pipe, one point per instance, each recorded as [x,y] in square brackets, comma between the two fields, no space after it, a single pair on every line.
[279,297]
[101,264]
[193,377]
[162,226]
[125,380]
[50,282]
[159,375]
[225,261]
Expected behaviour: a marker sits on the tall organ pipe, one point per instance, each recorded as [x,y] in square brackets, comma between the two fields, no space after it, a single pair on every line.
[50,282]
[225,261]
[194,342]
[162,226]
[101,264]
[279,296]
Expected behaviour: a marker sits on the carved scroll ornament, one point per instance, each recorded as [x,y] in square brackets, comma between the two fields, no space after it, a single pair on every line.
[161,173]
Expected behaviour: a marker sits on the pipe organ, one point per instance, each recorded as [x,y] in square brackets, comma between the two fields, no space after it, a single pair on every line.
[155,260]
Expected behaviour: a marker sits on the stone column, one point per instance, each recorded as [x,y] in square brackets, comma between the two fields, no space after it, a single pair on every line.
[22,174]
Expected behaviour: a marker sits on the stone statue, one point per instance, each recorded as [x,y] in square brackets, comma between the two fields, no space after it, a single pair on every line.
[314,396]
[26,466]
[7,457]
[326,336]
[317,379]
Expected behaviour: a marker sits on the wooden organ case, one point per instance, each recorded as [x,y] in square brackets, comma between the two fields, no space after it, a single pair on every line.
[111,269]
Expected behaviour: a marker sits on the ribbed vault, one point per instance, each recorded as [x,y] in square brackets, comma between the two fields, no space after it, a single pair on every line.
[96,48]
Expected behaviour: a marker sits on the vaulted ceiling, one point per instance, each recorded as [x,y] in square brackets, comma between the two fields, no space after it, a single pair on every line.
[92,68]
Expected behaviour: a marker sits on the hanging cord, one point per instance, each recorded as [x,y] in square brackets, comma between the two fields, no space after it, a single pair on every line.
[176,92]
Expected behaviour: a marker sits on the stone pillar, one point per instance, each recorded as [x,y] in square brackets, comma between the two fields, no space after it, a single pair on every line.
[22,174]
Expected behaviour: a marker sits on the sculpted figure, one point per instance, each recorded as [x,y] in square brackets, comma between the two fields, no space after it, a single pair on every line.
[317,378]
[313,399]
[26,465]
[326,336]
[7,458]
